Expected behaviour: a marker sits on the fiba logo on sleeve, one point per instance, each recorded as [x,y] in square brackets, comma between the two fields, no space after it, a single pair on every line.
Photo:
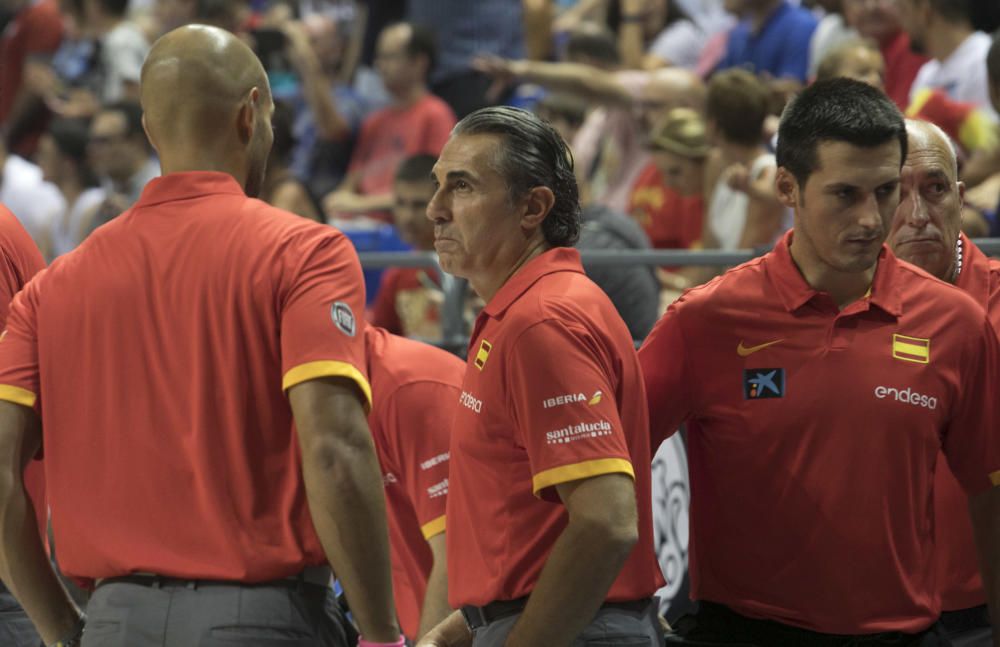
[343,318]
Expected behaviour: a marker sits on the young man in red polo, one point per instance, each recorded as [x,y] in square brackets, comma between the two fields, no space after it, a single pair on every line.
[550,520]
[818,384]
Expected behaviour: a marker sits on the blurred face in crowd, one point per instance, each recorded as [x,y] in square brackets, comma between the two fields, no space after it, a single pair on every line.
[326,41]
[409,211]
[113,152]
[392,60]
[49,159]
[863,64]
[844,209]
[929,217]
[682,174]
[475,223]
[876,19]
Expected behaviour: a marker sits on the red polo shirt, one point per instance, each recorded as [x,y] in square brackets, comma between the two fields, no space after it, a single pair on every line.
[159,353]
[901,67]
[552,394]
[958,568]
[813,434]
[21,261]
[415,388]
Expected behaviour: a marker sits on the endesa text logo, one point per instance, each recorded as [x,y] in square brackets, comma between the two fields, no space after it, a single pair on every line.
[469,401]
[907,396]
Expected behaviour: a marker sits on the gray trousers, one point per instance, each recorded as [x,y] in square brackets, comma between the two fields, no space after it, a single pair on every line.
[15,628]
[611,628]
[213,615]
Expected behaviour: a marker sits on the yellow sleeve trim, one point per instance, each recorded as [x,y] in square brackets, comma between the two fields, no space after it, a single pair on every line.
[17,395]
[312,370]
[432,528]
[995,477]
[578,471]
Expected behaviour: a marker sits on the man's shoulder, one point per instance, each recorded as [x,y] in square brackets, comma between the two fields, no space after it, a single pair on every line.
[919,287]
[408,361]
[740,284]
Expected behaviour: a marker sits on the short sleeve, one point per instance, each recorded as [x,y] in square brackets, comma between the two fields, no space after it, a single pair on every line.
[19,378]
[321,321]
[562,395]
[971,443]
[421,415]
[662,359]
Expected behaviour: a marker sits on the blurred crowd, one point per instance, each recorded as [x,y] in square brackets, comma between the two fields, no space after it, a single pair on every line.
[670,108]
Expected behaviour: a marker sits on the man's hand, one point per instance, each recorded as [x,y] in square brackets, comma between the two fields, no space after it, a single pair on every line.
[737,176]
[451,632]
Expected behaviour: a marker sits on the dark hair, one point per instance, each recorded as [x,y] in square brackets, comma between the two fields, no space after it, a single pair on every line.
[532,154]
[993,60]
[416,168]
[133,116]
[115,8]
[71,137]
[738,102]
[955,11]
[597,43]
[674,13]
[836,110]
[422,42]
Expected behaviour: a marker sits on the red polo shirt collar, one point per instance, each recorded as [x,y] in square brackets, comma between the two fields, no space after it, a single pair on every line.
[187,185]
[558,259]
[791,286]
[975,275]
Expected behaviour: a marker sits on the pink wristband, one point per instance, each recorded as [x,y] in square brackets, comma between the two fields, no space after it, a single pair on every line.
[367,643]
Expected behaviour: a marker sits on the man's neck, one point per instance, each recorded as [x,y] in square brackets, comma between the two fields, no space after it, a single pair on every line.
[843,287]
[406,98]
[759,16]
[487,287]
[945,38]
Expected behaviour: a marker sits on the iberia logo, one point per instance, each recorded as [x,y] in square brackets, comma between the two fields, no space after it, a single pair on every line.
[482,354]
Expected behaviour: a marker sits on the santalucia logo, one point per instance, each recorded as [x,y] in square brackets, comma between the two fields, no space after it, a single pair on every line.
[907,396]
[575,432]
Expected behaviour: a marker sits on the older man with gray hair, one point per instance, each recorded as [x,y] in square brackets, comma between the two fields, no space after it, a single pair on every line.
[926,231]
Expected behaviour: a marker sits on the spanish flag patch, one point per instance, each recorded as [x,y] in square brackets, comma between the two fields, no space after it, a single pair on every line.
[911,349]
[482,354]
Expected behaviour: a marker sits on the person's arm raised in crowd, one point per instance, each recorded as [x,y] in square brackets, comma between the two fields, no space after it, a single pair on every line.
[538,15]
[331,125]
[24,565]
[345,493]
[631,40]
[346,199]
[435,607]
[587,81]
[985,511]
[584,562]
[764,212]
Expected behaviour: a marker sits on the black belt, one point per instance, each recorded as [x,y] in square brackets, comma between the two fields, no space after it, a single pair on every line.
[966,619]
[477,617]
[311,579]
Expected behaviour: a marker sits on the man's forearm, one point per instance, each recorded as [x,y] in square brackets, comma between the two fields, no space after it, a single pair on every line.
[588,81]
[580,570]
[344,487]
[435,607]
[25,568]
[330,124]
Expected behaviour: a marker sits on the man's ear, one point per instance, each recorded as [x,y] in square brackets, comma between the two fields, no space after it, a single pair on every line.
[537,204]
[246,119]
[786,187]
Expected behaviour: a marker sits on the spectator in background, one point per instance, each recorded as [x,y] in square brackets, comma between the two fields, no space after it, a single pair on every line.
[465,30]
[632,288]
[416,122]
[880,21]
[831,31]
[409,298]
[281,188]
[942,29]
[122,51]
[335,99]
[35,30]
[743,211]
[121,157]
[28,196]
[62,156]
[657,33]
[226,14]
[772,38]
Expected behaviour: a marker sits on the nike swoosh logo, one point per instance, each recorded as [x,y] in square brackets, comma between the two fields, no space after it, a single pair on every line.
[746,351]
